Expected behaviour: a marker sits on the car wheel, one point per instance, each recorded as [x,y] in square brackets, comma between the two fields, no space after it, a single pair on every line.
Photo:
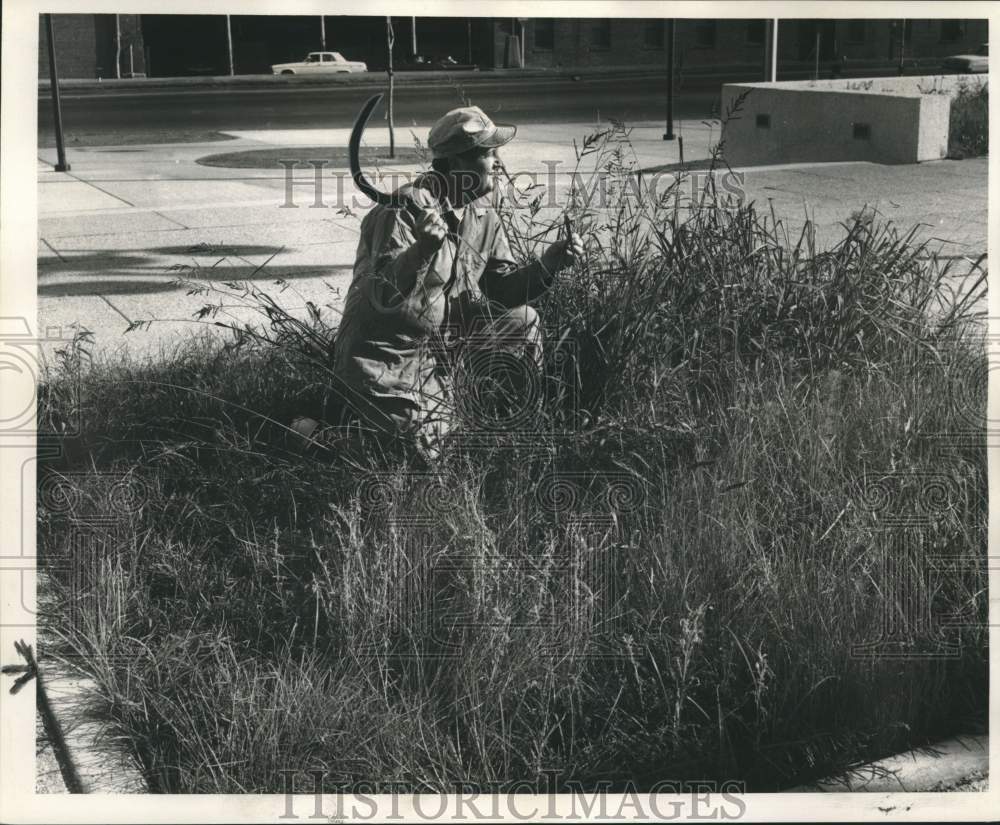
[287,71]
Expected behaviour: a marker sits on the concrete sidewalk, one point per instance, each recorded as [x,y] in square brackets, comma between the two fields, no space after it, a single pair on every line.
[125,222]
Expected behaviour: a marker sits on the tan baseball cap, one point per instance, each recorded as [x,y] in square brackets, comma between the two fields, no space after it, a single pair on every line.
[463,129]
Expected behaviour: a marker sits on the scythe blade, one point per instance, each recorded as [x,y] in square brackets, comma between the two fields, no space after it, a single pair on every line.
[355,158]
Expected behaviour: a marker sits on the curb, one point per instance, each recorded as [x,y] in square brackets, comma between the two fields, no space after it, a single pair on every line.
[97,761]
[342,81]
[696,75]
[936,768]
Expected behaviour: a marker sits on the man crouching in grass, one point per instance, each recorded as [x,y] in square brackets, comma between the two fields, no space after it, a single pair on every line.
[434,284]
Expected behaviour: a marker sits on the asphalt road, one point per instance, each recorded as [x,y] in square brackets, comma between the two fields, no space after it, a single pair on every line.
[179,115]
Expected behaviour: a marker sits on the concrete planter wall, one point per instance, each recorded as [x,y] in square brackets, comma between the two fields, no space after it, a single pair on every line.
[882,120]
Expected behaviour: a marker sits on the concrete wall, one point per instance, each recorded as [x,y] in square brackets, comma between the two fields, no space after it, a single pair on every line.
[882,120]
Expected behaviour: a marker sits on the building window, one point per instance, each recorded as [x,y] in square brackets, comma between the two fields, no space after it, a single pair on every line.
[756,32]
[856,31]
[653,34]
[545,34]
[600,34]
[704,34]
[952,30]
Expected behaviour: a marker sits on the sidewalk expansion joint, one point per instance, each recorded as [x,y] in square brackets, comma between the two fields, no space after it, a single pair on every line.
[108,302]
[99,189]
[58,254]
[168,218]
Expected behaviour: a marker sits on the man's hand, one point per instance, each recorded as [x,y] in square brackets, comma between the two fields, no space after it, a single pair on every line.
[430,232]
[563,253]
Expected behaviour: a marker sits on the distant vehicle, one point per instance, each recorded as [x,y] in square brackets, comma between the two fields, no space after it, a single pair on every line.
[420,63]
[977,63]
[321,63]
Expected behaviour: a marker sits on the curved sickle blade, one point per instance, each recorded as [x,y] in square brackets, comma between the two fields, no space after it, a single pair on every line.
[354,153]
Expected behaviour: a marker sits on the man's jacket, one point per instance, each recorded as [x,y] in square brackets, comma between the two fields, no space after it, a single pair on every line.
[404,313]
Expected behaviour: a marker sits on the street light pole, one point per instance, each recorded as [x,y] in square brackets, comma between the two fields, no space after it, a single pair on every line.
[322,33]
[413,31]
[61,165]
[669,134]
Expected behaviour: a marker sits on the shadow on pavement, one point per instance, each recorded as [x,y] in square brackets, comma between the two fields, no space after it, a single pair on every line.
[115,272]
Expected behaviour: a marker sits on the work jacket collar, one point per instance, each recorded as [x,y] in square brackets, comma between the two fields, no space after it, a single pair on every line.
[431,181]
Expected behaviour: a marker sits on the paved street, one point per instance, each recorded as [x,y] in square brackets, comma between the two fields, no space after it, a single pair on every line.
[125,222]
[102,119]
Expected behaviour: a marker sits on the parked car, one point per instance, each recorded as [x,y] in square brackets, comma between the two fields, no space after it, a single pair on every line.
[448,62]
[321,63]
[977,63]
[420,63]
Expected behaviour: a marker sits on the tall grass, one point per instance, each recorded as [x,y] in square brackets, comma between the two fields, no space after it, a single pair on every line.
[969,123]
[669,579]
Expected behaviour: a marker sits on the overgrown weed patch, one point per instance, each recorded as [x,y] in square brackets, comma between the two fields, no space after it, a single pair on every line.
[674,575]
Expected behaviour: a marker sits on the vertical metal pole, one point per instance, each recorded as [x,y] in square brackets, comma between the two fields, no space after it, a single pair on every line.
[61,165]
[522,44]
[774,50]
[390,41]
[322,32]
[816,68]
[669,134]
[229,43]
[413,31]
[902,43]
[118,47]
[131,62]
[767,49]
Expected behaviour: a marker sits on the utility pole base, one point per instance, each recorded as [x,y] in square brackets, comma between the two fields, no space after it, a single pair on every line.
[62,167]
[668,136]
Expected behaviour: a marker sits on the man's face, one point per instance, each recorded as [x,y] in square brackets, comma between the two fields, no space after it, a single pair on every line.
[475,174]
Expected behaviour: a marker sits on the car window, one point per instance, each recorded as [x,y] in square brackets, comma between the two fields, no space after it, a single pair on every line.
[337,56]
[328,58]
[312,59]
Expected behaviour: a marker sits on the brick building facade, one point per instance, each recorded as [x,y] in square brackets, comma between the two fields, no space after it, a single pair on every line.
[171,45]
[85,45]
[734,44]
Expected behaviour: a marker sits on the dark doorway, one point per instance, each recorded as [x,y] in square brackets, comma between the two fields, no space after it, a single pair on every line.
[182,45]
[827,30]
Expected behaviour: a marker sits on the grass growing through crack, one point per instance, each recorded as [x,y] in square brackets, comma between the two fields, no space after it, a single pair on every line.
[671,579]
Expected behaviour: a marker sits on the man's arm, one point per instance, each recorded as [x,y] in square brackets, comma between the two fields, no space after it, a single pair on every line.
[399,262]
[506,283]
[510,285]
